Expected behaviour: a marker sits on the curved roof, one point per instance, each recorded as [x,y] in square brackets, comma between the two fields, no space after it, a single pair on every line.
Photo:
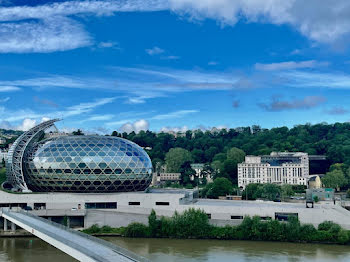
[15,174]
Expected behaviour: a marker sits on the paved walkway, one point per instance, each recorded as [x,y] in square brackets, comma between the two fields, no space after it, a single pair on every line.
[95,248]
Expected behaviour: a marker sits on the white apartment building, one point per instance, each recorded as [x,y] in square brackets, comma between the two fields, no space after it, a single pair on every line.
[276,168]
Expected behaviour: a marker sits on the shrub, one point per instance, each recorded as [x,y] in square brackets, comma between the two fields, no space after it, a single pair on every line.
[326,225]
[94,229]
[306,232]
[136,230]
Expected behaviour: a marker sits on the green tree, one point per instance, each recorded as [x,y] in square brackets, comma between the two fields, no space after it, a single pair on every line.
[220,187]
[153,224]
[334,179]
[78,133]
[175,158]
[286,191]
[271,191]
[186,173]
[234,156]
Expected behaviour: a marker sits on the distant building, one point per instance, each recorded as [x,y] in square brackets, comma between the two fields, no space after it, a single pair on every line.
[314,182]
[174,177]
[2,141]
[3,155]
[323,194]
[276,168]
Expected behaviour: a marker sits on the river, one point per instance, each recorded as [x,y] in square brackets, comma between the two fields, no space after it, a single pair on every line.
[35,250]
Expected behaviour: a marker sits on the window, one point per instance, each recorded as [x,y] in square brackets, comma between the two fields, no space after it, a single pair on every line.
[134,203]
[236,217]
[284,216]
[209,216]
[101,205]
[162,203]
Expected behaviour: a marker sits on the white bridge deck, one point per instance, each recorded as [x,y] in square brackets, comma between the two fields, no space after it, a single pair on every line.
[81,246]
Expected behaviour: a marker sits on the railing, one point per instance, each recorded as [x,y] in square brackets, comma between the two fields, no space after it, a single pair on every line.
[119,250]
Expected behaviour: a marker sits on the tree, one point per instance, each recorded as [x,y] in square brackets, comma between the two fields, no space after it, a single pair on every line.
[234,156]
[78,133]
[175,158]
[220,187]
[271,191]
[286,191]
[186,173]
[334,179]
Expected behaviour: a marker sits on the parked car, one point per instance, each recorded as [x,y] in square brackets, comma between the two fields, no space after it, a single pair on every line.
[28,208]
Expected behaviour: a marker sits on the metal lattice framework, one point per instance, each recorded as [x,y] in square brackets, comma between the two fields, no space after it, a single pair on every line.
[15,175]
[87,164]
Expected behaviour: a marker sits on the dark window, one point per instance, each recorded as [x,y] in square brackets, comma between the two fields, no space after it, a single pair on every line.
[162,203]
[284,216]
[134,203]
[236,217]
[209,216]
[101,205]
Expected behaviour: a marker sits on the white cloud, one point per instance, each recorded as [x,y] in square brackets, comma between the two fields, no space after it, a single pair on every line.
[51,34]
[8,88]
[170,57]
[136,126]
[323,21]
[168,129]
[50,27]
[79,109]
[99,118]
[289,65]
[175,114]
[305,79]
[4,100]
[154,51]
[113,45]
[26,124]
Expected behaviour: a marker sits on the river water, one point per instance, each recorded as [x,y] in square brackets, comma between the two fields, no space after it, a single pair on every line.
[35,250]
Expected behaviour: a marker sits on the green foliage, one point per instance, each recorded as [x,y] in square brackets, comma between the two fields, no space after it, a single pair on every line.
[194,223]
[136,230]
[348,193]
[153,224]
[334,179]
[78,133]
[175,158]
[220,187]
[331,140]
[2,175]
[266,191]
[186,173]
[271,191]
[316,199]
[287,191]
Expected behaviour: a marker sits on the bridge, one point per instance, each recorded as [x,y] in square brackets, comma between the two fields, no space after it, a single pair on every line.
[78,245]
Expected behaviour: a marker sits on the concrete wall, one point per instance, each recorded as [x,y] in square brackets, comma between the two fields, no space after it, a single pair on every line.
[60,204]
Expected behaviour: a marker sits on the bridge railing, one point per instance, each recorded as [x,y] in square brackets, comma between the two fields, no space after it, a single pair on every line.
[121,251]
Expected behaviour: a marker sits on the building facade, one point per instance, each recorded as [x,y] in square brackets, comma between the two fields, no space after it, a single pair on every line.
[276,168]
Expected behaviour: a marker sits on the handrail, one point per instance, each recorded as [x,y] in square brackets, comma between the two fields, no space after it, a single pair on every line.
[119,250]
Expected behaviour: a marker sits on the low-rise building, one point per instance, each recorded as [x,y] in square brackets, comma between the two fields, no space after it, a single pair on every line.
[276,168]
[168,177]
[314,182]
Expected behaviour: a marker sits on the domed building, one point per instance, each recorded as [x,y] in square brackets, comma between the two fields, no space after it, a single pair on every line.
[95,164]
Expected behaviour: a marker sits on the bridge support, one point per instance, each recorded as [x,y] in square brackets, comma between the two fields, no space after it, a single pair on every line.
[13,226]
[5,224]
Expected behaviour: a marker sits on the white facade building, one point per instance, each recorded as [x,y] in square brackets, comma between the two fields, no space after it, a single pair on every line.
[276,168]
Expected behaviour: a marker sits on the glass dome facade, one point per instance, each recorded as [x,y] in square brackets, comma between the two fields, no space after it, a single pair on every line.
[87,164]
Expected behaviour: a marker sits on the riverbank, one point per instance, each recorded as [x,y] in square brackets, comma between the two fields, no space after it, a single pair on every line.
[194,224]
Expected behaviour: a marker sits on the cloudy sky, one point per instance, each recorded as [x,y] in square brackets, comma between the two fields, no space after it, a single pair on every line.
[174,64]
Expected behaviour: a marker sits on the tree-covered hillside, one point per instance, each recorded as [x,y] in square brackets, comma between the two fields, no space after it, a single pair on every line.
[332,140]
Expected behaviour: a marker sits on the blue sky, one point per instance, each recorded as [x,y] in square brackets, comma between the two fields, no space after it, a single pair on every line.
[173,64]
